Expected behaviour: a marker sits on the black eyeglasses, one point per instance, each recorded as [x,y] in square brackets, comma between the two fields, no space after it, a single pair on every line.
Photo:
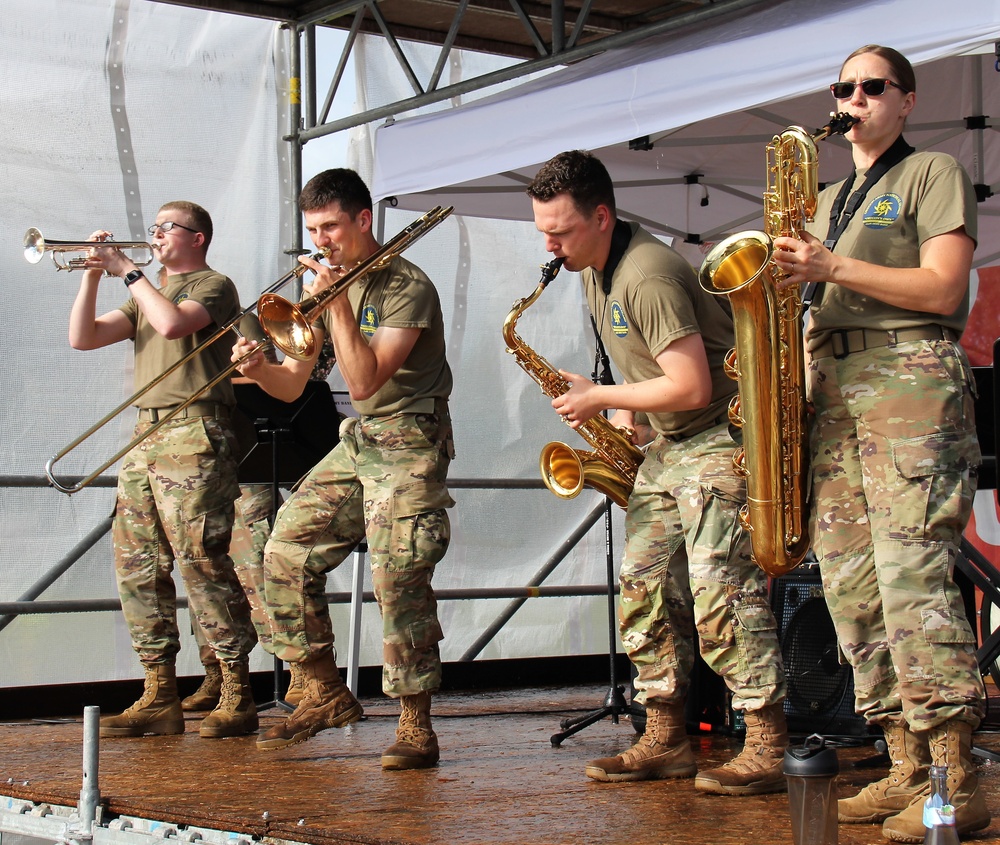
[167,225]
[871,87]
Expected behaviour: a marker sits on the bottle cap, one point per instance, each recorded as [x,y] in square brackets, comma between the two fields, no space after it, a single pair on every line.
[811,759]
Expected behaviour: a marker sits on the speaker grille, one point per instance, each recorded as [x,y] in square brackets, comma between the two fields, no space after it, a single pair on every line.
[820,688]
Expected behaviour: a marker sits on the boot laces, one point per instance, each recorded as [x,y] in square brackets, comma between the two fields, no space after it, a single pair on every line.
[411,734]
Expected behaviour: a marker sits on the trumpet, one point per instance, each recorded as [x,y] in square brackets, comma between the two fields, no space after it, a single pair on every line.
[35,247]
[68,488]
[287,326]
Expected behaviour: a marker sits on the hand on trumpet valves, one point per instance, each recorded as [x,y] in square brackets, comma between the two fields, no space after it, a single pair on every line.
[108,258]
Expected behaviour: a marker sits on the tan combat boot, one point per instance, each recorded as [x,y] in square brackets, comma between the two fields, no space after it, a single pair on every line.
[206,697]
[236,714]
[296,684]
[663,751]
[326,703]
[951,747]
[759,767]
[158,711]
[416,745]
[909,759]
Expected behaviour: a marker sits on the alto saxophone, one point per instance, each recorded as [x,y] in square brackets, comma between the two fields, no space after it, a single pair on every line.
[612,466]
[768,361]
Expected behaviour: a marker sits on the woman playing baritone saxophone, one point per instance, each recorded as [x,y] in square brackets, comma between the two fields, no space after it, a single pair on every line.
[895,453]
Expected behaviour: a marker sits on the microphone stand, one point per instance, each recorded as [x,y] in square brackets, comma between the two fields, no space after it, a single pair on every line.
[614,704]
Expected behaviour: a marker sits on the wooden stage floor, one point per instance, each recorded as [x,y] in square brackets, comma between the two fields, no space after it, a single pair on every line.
[500,782]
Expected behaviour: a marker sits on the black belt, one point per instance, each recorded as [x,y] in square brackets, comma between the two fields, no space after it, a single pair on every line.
[842,342]
[195,409]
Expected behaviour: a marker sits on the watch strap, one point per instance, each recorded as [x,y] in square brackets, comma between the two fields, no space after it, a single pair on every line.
[132,277]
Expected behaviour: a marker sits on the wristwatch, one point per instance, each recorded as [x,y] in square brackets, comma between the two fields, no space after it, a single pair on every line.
[132,277]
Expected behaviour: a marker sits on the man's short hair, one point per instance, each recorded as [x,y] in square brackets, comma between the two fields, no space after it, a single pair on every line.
[339,185]
[199,219]
[578,173]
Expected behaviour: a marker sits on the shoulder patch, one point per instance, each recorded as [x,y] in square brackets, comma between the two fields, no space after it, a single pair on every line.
[619,325]
[369,320]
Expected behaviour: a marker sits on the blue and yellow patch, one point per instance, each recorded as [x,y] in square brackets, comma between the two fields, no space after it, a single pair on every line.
[619,325]
[882,211]
[181,297]
[369,320]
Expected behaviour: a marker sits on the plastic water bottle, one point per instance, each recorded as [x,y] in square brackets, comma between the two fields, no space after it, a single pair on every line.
[939,815]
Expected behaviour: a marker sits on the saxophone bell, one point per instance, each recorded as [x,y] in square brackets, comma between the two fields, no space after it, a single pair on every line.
[566,471]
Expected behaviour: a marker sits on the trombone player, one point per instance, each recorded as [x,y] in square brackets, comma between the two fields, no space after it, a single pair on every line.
[385,480]
[176,489]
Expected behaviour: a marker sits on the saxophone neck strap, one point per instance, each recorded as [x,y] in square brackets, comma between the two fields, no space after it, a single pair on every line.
[844,209]
[620,238]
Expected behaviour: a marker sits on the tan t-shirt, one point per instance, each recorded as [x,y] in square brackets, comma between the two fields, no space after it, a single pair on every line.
[154,354]
[655,299]
[926,194]
[401,296]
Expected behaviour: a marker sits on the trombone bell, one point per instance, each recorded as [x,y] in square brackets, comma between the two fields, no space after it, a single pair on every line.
[287,326]
[35,247]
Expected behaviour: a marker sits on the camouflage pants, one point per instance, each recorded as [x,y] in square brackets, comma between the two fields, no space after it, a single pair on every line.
[384,480]
[687,569]
[175,502]
[894,457]
[251,528]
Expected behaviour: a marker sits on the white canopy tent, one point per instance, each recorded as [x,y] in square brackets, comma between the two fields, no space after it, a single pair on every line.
[699,106]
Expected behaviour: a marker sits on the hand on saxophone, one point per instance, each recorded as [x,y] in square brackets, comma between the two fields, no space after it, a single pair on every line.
[804,260]
[581,402]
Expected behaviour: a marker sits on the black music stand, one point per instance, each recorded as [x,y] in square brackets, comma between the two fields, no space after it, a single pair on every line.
[288,439]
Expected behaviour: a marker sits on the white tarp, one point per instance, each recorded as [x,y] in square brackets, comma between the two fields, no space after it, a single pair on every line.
[709,100]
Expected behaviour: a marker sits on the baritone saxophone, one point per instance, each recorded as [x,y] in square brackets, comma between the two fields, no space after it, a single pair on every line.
[768,361]
[612,466]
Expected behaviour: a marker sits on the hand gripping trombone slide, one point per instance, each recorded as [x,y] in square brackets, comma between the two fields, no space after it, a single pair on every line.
[288,327]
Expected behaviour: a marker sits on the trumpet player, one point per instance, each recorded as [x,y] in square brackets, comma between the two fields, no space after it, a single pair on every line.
[176,489]
[385,480]
[687,564]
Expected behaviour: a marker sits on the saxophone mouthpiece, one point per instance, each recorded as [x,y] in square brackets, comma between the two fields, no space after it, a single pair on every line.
[550,270]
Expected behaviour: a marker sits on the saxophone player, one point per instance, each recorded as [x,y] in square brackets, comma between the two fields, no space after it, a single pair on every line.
[894,444]
[687,563]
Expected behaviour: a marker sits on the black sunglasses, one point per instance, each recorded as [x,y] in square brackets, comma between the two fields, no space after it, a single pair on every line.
[871,87]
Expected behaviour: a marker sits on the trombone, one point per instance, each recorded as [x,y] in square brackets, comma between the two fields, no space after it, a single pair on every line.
[35,247]
[287,326]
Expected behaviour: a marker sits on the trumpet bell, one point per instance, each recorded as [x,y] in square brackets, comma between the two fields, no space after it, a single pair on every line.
[287,326]
[34,246]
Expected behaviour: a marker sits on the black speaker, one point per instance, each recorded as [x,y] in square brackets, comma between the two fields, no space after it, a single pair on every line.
[820,687]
